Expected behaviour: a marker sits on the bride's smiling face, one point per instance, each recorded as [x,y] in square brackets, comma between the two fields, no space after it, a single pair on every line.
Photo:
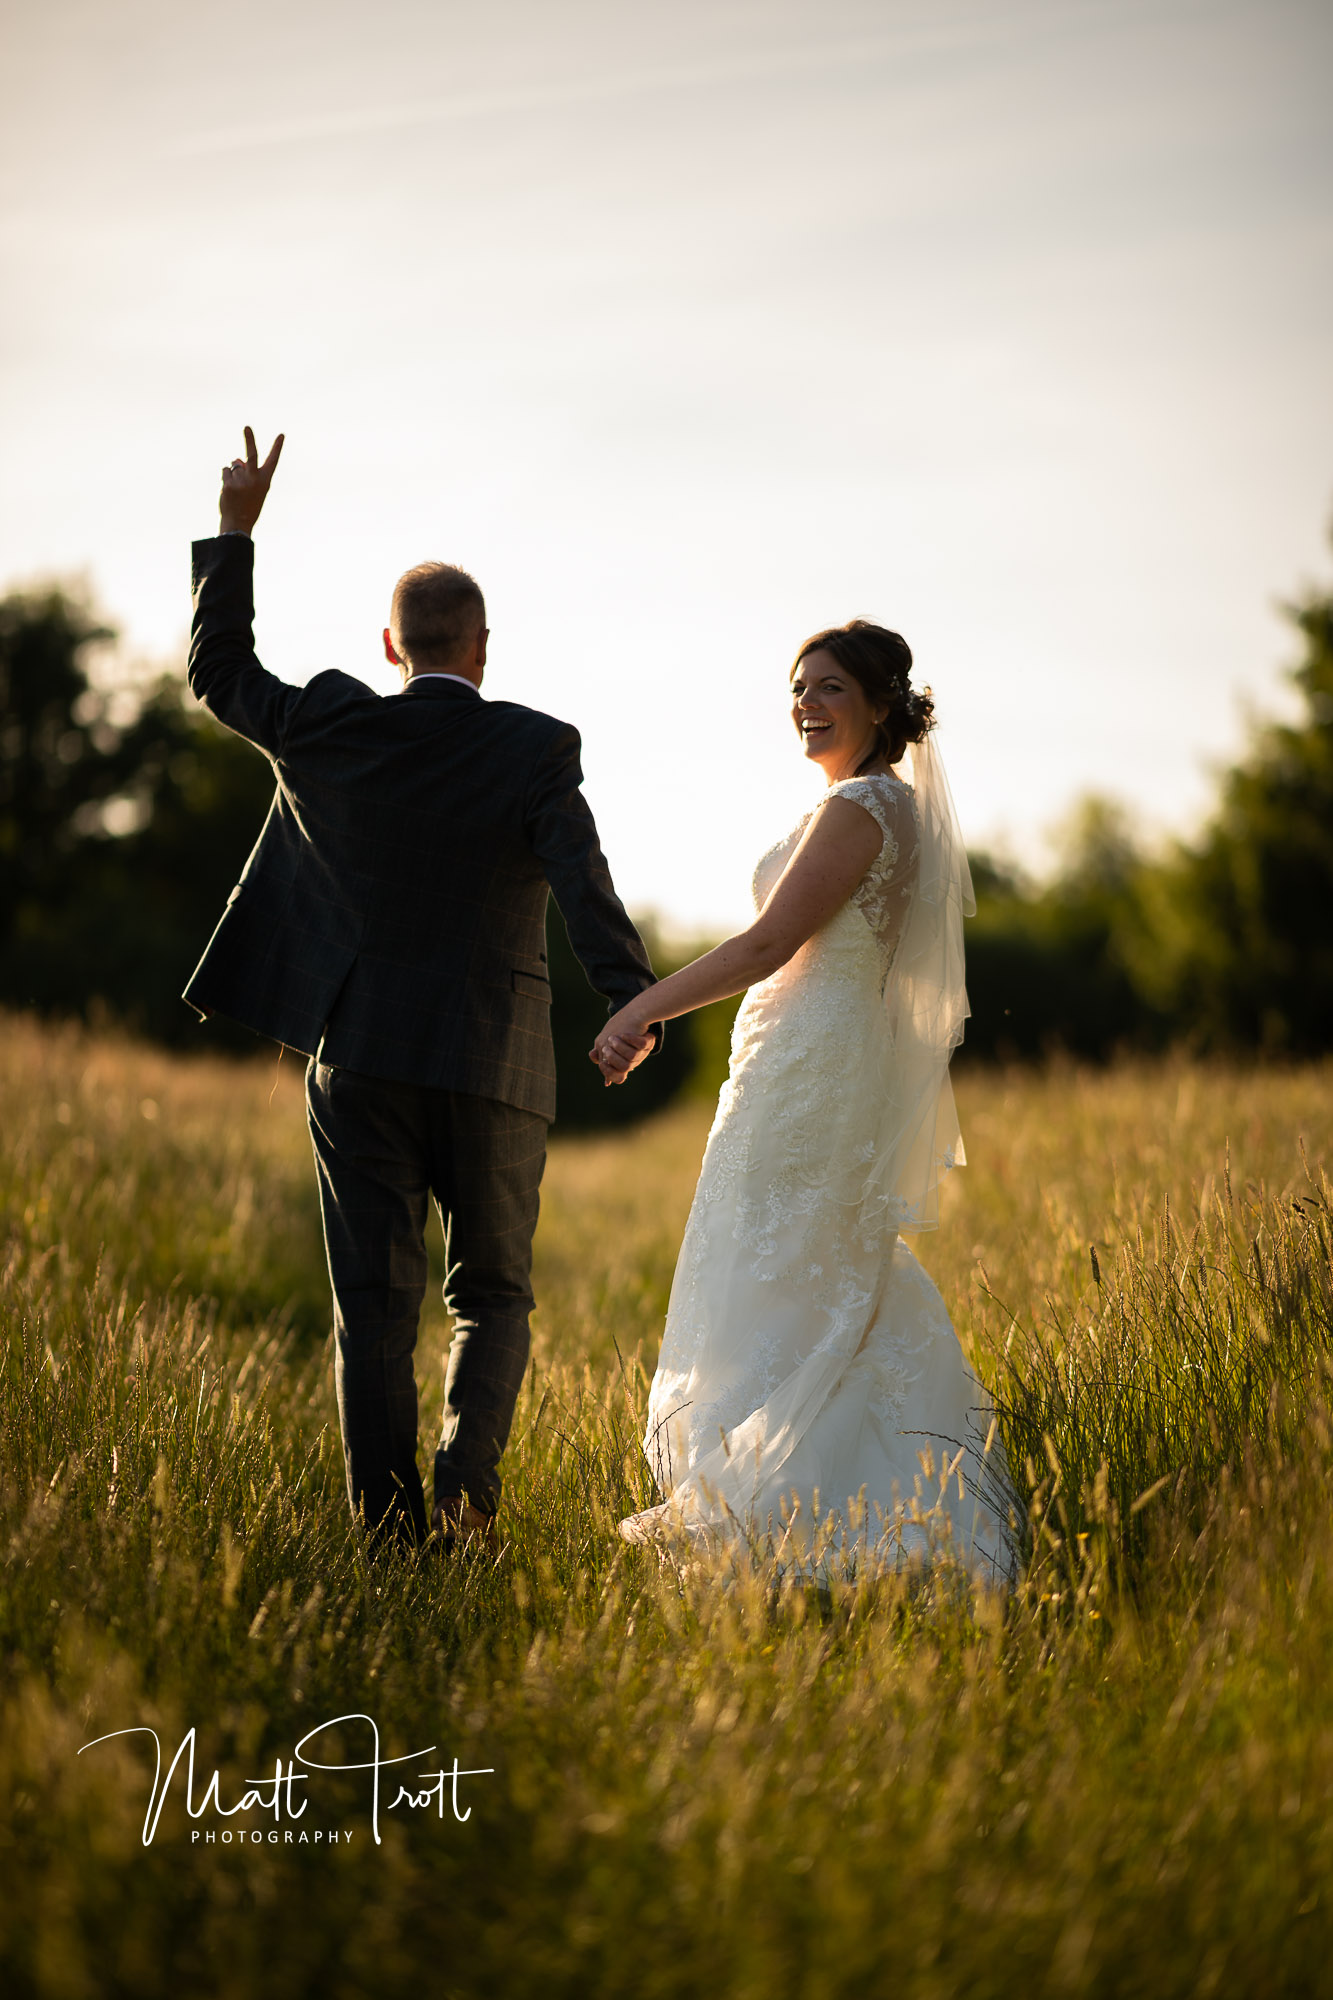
[834,718]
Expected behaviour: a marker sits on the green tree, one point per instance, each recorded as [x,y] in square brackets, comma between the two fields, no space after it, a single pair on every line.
[125,817]
[62,759]
[1237,938]
[1047,969]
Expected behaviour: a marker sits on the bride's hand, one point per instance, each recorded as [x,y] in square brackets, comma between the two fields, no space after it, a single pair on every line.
[618,1055]
[622,1045]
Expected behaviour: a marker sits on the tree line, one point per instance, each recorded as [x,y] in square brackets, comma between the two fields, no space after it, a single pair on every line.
[1222,943]
[126,817]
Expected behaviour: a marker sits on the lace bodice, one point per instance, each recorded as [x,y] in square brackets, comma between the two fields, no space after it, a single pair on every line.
[884,893]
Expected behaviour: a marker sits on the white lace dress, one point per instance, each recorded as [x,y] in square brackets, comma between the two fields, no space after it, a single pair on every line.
[809,1370]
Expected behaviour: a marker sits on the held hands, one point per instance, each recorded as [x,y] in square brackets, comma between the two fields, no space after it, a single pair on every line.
[245,484]
[621,1046]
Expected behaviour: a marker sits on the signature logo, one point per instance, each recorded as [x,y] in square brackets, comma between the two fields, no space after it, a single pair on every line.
[278,1795]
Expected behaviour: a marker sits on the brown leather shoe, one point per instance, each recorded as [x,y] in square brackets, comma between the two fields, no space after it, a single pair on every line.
[464,1529]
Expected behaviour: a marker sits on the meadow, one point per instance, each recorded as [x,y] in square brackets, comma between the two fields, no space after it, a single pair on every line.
[685,1780]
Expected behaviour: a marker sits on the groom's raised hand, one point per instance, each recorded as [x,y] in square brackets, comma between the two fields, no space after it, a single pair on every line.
[245,484]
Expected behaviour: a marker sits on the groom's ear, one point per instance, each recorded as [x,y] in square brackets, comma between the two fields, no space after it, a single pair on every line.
[389,653]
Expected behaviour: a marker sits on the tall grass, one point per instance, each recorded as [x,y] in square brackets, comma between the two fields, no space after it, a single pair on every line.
[1118,1781]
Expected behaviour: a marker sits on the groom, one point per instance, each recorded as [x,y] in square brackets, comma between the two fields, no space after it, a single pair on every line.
[390,924]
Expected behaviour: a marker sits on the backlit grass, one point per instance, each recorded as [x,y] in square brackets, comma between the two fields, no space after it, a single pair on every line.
[1117,1782]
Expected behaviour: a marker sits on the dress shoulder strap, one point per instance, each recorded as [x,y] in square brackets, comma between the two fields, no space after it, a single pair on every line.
[882,796]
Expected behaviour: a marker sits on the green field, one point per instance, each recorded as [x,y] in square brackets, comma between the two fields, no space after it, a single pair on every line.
[1120,1780]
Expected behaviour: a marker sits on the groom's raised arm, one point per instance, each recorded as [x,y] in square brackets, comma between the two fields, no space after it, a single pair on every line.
[224,673]
[223,670]
[564,838]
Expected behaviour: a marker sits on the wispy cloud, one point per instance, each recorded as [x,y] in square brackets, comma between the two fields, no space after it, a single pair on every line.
[938,36]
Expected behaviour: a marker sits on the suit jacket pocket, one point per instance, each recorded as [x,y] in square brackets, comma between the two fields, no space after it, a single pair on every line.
[531,986]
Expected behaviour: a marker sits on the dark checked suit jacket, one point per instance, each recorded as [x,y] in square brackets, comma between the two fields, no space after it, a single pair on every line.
[392,916]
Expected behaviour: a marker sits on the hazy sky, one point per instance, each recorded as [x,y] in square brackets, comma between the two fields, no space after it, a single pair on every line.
[690,328]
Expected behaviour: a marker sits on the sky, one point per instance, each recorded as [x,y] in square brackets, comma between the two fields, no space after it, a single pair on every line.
[691,329]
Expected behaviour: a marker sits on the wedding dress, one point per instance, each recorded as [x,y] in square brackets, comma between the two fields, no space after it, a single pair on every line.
[811,1396]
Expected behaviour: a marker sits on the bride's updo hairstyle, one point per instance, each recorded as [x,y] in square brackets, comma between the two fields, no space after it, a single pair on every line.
[879,661]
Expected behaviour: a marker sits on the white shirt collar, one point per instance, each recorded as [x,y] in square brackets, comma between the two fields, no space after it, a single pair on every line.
[446,677]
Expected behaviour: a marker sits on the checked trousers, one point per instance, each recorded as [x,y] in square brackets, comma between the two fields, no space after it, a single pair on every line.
[382,1151]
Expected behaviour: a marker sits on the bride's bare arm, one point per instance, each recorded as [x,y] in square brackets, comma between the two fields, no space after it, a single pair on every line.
[838,846]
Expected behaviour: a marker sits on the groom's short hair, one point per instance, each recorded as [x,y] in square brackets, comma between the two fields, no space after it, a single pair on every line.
[437,612]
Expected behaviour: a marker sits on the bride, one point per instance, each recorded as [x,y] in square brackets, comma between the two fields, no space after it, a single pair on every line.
[811,1393]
